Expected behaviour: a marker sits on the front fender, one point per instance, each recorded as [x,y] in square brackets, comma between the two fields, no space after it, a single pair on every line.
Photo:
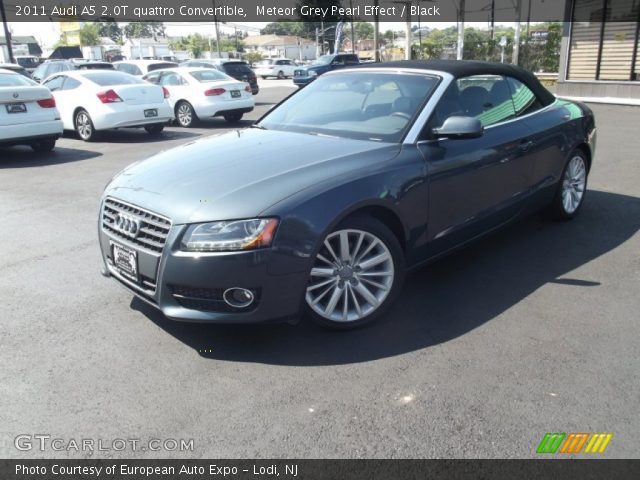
[308,216]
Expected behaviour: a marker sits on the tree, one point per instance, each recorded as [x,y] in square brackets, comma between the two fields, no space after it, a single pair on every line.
[89,34]
[144,30]
[284,28]
[252,57]
[108,27]
[364,30]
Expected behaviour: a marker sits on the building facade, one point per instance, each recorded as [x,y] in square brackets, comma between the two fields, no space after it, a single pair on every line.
[600,47]
[286,46]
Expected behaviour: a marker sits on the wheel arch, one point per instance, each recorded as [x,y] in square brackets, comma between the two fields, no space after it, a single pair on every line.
[586,150]
[385,215]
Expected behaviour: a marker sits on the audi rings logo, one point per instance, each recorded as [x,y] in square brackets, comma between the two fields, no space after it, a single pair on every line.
[127,225]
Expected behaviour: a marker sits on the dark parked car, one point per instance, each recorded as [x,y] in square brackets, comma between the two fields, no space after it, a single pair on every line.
[324,64]
[50,67]
[28,62]
[341,188]
[14,67]
[234,68]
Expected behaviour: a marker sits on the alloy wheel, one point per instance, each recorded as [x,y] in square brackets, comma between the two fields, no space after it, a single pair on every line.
[83,125]
[352,275]
[185,115]
[574,184]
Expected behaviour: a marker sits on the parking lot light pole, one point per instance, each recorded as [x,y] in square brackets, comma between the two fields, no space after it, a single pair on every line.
[7,34]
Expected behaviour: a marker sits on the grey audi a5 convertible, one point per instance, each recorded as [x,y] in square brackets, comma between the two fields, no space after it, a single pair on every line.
[326,202]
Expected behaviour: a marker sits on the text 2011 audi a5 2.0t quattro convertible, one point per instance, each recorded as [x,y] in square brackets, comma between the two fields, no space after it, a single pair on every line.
[327,200]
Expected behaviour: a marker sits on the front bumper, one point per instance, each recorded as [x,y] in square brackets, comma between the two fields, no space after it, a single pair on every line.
[187,286]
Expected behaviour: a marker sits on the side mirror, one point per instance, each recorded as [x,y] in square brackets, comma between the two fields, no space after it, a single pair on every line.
[460,128]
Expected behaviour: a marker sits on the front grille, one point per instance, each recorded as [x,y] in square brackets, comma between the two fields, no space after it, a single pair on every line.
[153,231]
[208,299]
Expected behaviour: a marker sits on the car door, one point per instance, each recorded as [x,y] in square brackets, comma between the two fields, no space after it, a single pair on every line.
[64,103]
[550,129]
[288,67]
[178,87]
[476,184]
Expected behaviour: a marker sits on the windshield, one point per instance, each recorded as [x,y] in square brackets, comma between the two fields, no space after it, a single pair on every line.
[323,60]
[359,105]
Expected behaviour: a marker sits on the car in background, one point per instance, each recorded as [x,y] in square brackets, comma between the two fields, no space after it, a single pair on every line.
[238,69]
[142,67]
[275,67]
[323,64]
[28,62]
[90,101]
[28,113]
[197,93]
[336,192]
[51,67]
[14,67]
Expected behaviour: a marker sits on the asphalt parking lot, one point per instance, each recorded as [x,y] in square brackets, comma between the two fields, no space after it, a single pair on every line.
[533,330]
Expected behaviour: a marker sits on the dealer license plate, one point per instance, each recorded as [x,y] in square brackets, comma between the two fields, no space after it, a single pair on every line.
[125,260]
[153,112]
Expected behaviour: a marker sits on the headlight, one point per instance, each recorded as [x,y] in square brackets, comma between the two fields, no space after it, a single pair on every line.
[312,73]
[230,235]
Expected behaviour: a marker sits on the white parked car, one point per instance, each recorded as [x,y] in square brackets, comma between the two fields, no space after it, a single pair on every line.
[275,67]
[28,113]
[93,100]
[203,93]
[142,67]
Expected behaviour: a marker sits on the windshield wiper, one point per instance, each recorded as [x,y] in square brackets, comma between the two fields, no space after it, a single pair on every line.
[255,125]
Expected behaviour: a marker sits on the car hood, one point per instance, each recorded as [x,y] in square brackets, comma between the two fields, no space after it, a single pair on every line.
[242,173]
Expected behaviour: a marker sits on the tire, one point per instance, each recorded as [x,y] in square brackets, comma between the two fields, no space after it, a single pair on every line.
[185,114]
[572,188]
[155,129]
[44,146]
[84,126]
[368,285]
[281,75]
[233,117]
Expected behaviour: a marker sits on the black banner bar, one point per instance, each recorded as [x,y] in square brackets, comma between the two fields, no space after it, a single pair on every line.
[285,10]
[318,469]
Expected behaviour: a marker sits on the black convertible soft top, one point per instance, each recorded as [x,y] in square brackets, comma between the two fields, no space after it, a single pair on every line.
[465,68]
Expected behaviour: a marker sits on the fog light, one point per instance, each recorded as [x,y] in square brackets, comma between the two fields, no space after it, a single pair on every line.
[238,297]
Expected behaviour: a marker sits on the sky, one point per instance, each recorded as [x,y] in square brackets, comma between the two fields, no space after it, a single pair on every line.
[47,33]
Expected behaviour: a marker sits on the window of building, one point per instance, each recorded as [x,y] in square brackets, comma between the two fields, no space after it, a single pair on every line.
[604,39]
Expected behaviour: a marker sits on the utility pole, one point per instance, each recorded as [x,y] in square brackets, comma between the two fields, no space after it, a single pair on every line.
[493,19]
[407,6]
[353,35]
[461,30]
[516,39]
[376,33]
[215,22]
[7,34]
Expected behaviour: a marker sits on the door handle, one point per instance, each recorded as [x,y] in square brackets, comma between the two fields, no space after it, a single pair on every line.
[525,145]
